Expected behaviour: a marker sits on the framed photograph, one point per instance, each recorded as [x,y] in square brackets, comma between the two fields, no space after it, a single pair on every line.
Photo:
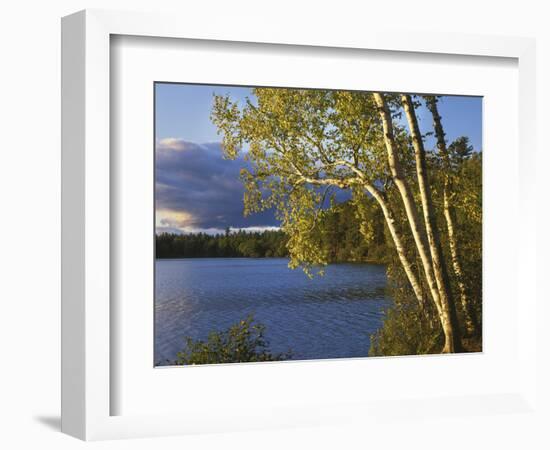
[271,230]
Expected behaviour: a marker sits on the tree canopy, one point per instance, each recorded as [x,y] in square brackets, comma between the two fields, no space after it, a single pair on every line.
[302,146]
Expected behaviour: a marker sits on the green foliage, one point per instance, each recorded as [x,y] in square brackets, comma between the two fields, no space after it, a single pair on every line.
[242,342]
[408,330]
[468,208]
[269,243]
[353,231]
[301,144]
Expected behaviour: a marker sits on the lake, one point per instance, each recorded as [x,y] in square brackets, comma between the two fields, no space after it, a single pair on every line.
[331,316]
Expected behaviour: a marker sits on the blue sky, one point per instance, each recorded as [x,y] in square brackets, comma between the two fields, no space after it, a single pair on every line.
[197,190]
[183,110]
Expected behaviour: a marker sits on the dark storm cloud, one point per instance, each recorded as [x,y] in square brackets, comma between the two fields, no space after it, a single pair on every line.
[197,189]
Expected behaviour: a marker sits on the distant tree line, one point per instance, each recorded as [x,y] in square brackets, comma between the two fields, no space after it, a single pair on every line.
[231,244]
[342,238]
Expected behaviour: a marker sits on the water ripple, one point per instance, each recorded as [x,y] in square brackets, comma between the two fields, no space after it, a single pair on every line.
[328,317]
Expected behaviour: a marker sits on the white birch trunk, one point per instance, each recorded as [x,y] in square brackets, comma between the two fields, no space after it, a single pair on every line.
[408,200]
[448,211]
[448,309]
[470,322]
[398,242]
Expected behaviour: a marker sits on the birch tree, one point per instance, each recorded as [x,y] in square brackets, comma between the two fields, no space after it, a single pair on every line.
[447,309]
[432,259]
[449,214]
[300,144]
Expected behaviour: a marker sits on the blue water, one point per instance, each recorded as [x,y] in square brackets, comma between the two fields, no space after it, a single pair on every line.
[331,316]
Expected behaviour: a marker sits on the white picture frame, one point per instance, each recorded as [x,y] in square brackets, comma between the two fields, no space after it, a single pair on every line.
[88,386]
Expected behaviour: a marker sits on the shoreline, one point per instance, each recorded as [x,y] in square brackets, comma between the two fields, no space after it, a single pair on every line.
[179,258]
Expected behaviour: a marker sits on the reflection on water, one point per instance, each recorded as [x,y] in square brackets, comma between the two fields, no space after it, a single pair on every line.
[328,317]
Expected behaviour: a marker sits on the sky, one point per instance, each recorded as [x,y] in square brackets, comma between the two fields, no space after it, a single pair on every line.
[199,191]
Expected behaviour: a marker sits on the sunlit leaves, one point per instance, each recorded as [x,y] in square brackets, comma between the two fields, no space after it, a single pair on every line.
[297,143]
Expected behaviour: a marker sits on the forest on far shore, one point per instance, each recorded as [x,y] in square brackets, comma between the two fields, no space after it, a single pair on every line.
[340,238]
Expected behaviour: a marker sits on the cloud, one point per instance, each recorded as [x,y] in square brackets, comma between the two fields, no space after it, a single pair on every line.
[172,144]
[198,190]
[173,219]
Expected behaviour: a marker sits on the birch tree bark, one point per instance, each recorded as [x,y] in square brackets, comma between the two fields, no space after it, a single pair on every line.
[398,242]
[452,344]
[449,317]
[448,211]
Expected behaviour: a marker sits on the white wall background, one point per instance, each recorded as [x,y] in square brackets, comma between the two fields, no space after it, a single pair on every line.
[30,196]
